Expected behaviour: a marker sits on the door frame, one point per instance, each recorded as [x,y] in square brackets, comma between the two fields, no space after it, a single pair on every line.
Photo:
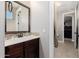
[63,21]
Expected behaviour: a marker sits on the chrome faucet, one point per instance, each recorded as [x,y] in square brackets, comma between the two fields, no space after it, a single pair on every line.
[20,34]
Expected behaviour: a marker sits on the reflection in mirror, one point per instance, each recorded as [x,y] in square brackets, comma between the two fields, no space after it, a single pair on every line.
[18,18]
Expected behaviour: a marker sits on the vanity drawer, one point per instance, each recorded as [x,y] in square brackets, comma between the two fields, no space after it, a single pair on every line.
[14,51]
[31,48]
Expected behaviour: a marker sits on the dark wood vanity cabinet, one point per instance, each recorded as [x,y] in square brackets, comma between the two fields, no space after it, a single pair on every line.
[28,49]
[31,48]
[14,51]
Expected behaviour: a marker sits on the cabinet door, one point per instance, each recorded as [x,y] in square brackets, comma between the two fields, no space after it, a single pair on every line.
[14,51]
[30,52]
[32,48]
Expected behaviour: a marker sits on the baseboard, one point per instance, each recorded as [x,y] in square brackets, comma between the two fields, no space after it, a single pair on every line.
[60,41]
[72,40]
[69,39]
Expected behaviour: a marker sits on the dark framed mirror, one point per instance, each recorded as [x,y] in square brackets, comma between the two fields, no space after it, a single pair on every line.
[17,17]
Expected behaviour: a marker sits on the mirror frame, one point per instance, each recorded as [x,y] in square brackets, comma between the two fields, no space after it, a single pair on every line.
[13,32]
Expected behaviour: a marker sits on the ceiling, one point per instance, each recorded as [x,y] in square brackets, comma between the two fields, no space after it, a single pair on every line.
[65,6]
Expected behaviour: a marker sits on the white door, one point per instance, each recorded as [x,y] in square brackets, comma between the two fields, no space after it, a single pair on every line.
[75,27]
[78,26]
[76,32]
[78,23]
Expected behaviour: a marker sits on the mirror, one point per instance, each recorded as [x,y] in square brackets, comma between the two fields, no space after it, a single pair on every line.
[17,17]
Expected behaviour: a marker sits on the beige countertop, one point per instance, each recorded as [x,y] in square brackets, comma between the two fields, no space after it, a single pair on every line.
[15,40]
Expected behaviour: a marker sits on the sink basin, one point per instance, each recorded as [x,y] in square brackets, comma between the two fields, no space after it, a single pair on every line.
[22,38]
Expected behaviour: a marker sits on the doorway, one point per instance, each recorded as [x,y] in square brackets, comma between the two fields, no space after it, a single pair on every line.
[68,27]
[69,18]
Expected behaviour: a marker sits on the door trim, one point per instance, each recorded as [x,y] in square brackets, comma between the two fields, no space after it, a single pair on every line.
[71,11]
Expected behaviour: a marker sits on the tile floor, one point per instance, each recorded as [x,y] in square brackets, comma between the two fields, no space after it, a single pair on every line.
[66,50]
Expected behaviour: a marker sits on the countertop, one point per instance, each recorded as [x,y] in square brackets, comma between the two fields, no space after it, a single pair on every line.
[16,40]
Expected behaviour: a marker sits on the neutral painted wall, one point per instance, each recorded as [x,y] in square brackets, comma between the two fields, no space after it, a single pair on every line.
[51,30]
[59,25]
[40,23]
[2,28]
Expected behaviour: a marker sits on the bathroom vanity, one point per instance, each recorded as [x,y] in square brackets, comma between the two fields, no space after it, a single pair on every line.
[23,47]
[19,41]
